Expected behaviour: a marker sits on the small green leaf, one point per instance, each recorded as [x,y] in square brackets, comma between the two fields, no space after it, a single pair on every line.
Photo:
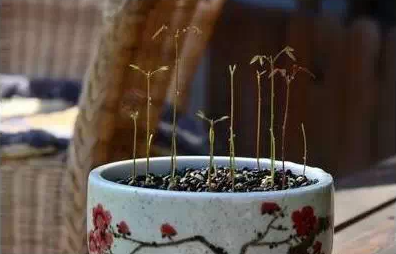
[223,118]
[289,51]
[254,59]
[288,48]
[163,68]
[151,138]
[200,114]
[135,67]
[232,68]
[135,114]
[261,58]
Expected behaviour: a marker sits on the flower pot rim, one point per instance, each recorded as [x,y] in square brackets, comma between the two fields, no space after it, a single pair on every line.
[96,177]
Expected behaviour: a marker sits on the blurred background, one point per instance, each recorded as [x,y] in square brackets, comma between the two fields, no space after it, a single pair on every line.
[50,50]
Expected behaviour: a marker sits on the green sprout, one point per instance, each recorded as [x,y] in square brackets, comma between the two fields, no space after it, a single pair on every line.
[212,123]
[289,76]
[305,147]
[232,136]
[134,116]
[272,61]
[149,136]
[176,37]
[258,131]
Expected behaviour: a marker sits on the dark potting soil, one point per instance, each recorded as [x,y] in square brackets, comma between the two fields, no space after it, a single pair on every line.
[195,180]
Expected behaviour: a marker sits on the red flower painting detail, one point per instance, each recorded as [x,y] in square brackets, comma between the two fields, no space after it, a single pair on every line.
[306,225]
[99,241]
[304,221]
[123,228]
[269,208]
[101,218]
[168,231]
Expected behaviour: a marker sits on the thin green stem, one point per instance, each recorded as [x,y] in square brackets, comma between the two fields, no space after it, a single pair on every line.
[134,147]
[272,158]
[148,124]
[232,147]
[305,147]
[175,100]
[211,141]
[258,137]
[284,129]
[148,75]
[212,123]
[272,123]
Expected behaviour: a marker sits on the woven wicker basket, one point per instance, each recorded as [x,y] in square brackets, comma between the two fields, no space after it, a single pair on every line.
[49,38]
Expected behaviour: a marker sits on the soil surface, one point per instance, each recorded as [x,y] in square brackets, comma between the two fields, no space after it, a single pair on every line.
[196,180]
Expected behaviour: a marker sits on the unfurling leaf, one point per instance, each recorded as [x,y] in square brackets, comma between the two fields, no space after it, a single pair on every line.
[261,58]
[289,51]
[163,68]
[134,115]
[232,68]
[223,118]
[254,59]
[135,67]
[150,139]
[160,69]
[200,114]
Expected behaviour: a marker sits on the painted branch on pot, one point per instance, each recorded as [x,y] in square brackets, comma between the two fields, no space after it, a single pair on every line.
[301,239]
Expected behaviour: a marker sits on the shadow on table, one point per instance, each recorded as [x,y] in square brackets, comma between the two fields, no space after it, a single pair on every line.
[381,174]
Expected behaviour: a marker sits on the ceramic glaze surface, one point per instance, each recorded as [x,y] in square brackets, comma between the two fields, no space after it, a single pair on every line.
[127,220]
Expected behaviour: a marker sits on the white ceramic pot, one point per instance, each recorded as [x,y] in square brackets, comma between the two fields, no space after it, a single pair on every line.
[128,220]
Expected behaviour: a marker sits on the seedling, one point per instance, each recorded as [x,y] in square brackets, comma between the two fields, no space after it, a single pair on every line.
[258,131]
[288,76]
[232,136]
[134,117]
[305,147]
[212,123]
[271,61]
[149,136]
[176,36]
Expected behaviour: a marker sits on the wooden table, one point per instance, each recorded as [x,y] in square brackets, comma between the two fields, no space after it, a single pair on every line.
[365,211]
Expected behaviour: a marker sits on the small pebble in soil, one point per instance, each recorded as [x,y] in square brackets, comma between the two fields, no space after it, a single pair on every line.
[246,180]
